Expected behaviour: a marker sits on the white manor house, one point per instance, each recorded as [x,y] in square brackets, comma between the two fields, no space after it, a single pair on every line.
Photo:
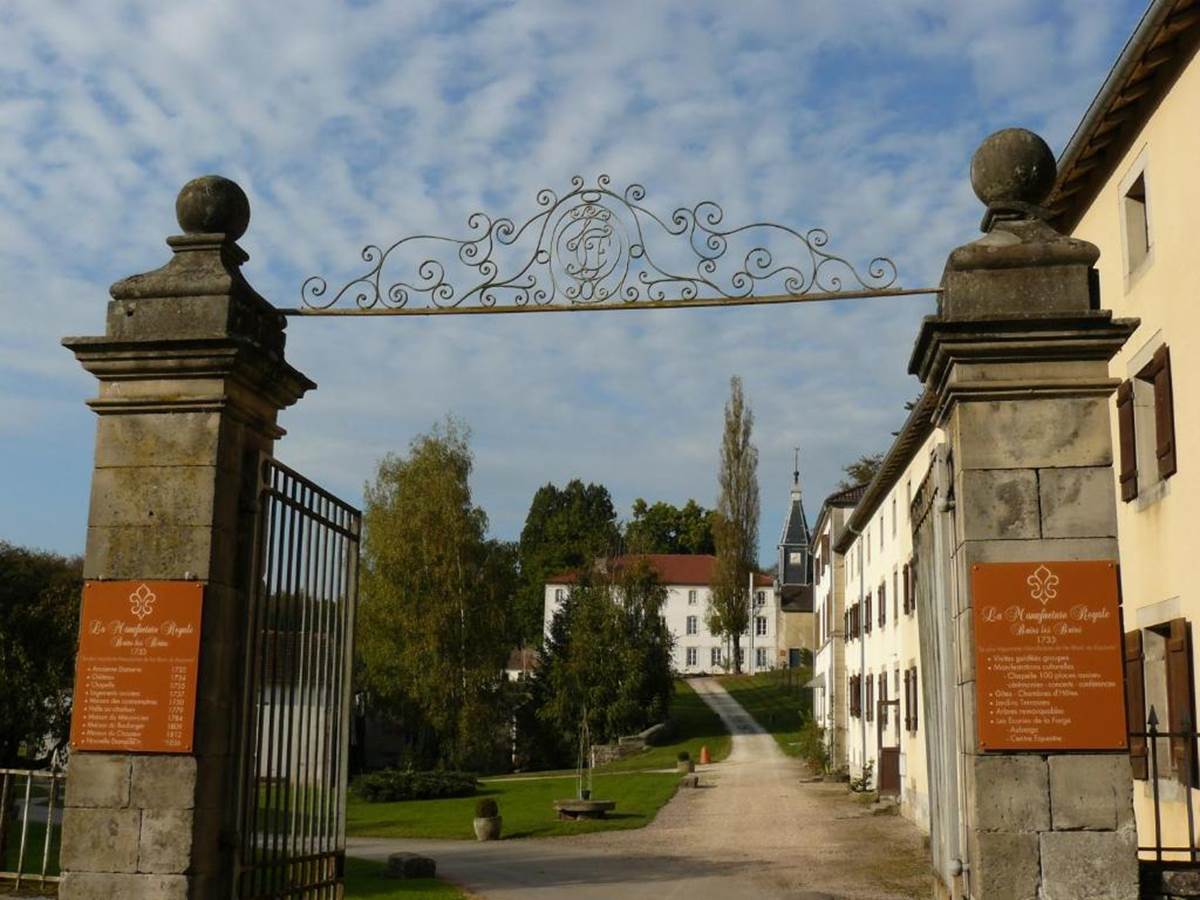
[781,617]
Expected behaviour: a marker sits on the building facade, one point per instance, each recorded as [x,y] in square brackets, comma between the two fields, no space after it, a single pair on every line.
[687,578]
[1127,183]
[829,656]
[794,584]
[884,738]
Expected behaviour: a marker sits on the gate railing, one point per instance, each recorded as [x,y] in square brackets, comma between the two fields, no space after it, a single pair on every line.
[296,706]
[30,825]
[1186,741]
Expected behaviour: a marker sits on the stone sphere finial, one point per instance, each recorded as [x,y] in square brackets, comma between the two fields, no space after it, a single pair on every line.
[213,204]
[1013,166]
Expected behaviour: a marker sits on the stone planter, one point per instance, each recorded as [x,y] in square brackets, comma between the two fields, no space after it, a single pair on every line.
[488,828]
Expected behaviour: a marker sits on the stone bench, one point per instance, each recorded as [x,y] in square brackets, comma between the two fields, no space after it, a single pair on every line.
[584,809]
[410,865]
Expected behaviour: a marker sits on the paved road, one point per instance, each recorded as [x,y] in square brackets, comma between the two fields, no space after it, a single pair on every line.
[754,830]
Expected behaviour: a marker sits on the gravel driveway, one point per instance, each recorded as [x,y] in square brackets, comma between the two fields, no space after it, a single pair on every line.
[753,830]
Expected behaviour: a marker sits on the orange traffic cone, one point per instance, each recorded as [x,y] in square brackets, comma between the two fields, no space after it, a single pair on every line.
[705,759]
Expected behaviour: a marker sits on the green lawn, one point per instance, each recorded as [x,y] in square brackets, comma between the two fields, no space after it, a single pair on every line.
[525,804]
[696,725]
[778,708]
[365,880]
[35,846]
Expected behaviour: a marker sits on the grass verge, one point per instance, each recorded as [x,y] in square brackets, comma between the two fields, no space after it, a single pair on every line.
[779,709]
[365,880]
[696,725]
[526,806]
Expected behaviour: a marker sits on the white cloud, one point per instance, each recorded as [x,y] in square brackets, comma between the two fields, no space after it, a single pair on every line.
[350,124]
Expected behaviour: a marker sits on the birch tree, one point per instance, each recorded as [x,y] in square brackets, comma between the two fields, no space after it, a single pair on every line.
[431,623]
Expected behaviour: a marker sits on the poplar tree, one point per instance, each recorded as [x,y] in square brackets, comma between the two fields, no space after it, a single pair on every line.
[736,524]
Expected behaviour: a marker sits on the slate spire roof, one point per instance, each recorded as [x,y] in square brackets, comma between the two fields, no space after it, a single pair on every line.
[795,542]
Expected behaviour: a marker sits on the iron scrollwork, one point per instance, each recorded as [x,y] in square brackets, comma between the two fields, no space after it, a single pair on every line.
[595,247]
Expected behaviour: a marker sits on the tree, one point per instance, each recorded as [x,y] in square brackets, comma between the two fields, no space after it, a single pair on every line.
[607,658]
[566,529]
[861,471]
[736,524]
[664,528]
[39,627]
[432,635]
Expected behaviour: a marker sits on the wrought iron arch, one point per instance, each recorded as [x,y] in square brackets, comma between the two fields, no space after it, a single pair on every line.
[596,248]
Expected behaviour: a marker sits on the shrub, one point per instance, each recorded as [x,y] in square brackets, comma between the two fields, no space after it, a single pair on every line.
[863,782]
[390,785]
[812,746]
[486,808]
[684,756]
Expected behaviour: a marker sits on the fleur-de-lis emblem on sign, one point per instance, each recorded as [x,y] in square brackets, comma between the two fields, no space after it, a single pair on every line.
[1042,585]
[141,602]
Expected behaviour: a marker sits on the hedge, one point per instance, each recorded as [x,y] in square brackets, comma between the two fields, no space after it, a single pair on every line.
[389,785]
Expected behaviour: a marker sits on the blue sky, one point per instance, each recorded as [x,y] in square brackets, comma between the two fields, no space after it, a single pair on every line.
[354,123]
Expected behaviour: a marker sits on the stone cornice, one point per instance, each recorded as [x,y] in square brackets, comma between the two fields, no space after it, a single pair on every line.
[232,374]
[948,356]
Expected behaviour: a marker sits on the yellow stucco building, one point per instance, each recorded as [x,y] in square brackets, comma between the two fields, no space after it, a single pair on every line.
[1128,182]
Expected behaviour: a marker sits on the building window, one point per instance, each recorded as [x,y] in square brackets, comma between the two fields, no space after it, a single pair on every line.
[760,658]
[1136,224]
[741,657]
[760,626]
[559,595]
[910,598]
[691,656]
[714,657]
[691,625]
[870,699]
[867,615]
[867,541]
[895,600]
[912,699]
[883,697]
[1146,426]
[893,517]
[691,598]
[760,598]
[1158,674]
[880,530]
[882,603]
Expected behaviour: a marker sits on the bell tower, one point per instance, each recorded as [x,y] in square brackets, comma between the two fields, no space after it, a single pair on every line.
[795,543]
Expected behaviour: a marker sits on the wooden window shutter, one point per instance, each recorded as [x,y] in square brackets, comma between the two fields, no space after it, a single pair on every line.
[1128,441]
[1164,413]
[883,603]
[1135,702]
[907,591]
[916,698]
[908,700]
[1180,705]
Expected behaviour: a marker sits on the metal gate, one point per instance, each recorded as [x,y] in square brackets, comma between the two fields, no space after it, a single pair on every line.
[296,706]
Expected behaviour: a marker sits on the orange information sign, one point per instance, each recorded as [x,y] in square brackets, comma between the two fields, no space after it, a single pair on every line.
[1048,666]
[135,676]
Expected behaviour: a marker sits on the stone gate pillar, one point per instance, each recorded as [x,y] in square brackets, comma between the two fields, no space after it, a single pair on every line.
[1017,358]
[192,376]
